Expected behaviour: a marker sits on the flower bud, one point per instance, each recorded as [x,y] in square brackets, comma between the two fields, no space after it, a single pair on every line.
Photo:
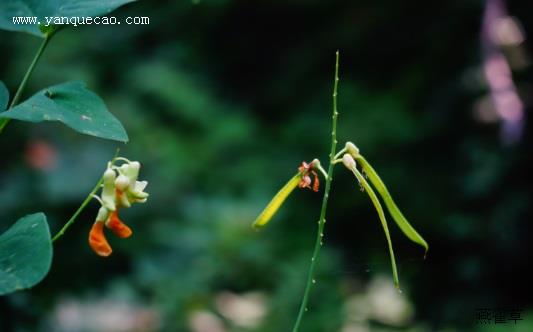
[315,163]
[131,171]
[348,161]
[122,182]
[108,191]
[351,149]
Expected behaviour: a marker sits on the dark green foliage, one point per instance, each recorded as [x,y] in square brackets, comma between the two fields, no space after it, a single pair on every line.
[25,253]
[75,106]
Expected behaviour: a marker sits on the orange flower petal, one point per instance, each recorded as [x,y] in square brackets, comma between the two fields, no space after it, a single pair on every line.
[117,226]
[97,240]
[316,182]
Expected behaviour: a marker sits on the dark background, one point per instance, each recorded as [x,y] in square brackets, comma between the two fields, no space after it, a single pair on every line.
[222,101]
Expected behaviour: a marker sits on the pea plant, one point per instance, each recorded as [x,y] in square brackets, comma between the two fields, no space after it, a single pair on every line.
[26,248]
[307,177]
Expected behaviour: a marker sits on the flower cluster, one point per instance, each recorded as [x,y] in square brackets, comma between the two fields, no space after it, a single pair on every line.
[120,188]
[305,170]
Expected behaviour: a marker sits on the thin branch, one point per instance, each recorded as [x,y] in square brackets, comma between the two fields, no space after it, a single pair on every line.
[83,204]
[22,86]
[322,220]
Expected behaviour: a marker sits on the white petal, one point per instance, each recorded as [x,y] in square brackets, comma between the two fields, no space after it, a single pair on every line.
[140,185]
[122,182]
[102,215]
[108,191]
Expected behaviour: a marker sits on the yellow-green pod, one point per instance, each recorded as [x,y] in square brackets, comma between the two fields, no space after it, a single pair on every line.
[383,220]
[277,201]
[395,212]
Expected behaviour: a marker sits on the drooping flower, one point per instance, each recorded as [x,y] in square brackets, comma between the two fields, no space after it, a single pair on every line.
[120,188]
[306,169]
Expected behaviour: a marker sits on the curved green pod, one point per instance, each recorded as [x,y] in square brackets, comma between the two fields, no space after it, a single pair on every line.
[395,212]
[381,215]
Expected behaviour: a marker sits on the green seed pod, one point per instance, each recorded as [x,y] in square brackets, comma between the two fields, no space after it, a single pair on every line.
[395,212]
[383,220]
[277,201]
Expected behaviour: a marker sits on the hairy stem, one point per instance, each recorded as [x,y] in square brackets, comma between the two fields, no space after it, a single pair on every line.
[322,220]
[22,86]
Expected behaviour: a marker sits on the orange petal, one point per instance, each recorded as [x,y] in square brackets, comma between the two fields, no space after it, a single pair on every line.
[117,226]
[316,183]
[97,240]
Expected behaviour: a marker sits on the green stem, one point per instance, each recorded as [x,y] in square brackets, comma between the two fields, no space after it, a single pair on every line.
[84,203]
[78,211]
[22,86]
[339,153]
[321,169]
[322,220]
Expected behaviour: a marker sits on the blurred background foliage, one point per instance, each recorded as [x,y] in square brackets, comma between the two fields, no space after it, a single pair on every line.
[222,100]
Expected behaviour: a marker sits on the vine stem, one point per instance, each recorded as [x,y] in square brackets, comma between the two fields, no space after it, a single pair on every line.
[78,211]
[22,86]
[322,220]
[83,204]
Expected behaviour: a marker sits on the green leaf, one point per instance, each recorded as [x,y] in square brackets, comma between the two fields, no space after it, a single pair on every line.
[75,106]
[381,215]
[4,97]
[277,201]
[395,212]
[25,253]
[41,9]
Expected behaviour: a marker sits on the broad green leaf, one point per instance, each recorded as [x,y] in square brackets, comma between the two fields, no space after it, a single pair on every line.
[277,201]
[75,106]
[43,9]
[381,215]
[395,212]
[25,253]
[4,97]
